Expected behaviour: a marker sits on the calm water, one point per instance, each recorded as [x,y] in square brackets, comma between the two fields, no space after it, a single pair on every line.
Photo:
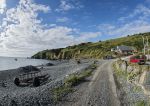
[10,62]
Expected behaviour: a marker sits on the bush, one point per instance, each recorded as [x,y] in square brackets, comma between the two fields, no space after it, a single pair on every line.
[85,74]
[93,66]
[75,79]
[141,103]
[72,80]
[131,76]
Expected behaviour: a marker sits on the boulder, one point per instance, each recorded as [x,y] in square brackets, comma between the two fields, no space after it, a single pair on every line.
[129,69]
[123,67]
[147,78]
[49,64]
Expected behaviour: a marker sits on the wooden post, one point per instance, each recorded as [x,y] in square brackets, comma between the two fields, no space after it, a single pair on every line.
[27,75]
[22,77]
[31,75]
[34,74]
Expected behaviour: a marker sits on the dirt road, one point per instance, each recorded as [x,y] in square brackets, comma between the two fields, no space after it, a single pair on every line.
[100,91]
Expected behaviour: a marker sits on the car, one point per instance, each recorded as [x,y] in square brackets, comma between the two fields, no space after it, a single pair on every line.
[108,57]
[139,59]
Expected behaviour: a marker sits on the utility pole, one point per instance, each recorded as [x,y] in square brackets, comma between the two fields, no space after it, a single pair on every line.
[148,47]
[143,44]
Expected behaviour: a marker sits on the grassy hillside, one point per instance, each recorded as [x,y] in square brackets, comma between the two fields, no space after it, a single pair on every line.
[92,50]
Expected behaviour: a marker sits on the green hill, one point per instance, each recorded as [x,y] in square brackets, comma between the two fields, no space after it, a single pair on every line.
[92,50]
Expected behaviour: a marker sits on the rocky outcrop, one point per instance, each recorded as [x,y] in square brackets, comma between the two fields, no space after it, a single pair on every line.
[134,68]
[137,74]
[142,79]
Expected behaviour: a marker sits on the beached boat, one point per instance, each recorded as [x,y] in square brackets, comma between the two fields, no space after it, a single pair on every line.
[31,76]
[34,79]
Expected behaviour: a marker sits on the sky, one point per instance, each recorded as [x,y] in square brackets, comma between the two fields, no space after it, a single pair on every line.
[29,26]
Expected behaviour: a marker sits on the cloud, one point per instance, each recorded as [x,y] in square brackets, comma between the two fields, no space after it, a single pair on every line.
[23,34]
[141,12]
[85,35]
[126,29]
[63,19]
[105,27]
[2,6]
[130,28]
[147,1]
[135,22]
[66,5]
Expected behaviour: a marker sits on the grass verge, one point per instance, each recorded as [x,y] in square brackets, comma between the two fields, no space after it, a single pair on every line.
[71,81]
[142,103]
[76,79]
[119,72]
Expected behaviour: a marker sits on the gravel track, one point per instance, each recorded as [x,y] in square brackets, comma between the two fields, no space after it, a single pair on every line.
[99,91]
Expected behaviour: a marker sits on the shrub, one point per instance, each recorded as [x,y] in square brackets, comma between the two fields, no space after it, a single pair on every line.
[75,79]
[93,66]
[131,76]
[141,103]
[72,80]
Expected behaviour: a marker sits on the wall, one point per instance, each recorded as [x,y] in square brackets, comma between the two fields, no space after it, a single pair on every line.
[140,74]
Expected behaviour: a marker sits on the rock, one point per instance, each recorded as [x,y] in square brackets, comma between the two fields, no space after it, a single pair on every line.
[123,67]
[129,69]
[147,78]
[49,64]
[13,103]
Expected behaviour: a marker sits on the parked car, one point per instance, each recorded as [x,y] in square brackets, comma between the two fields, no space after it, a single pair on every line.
[108,57]
[139,59]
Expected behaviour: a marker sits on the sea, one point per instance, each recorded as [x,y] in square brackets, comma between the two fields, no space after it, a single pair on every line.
[16,62]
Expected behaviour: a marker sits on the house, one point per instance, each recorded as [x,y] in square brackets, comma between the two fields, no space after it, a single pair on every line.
[124,50]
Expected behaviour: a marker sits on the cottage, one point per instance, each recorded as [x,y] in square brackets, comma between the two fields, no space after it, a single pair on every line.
[124,50]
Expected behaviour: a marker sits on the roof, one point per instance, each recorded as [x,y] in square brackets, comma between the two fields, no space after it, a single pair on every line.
[125,48]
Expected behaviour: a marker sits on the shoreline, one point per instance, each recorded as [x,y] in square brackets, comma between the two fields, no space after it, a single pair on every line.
[57,73]
[11,63]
